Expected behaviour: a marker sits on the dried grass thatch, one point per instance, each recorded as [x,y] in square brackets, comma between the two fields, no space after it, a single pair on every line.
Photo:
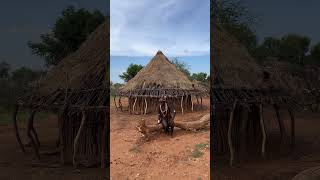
[89,60]
[77,90]
[235,67]
[299,81]
[160,77]
[240,90]
[159,72]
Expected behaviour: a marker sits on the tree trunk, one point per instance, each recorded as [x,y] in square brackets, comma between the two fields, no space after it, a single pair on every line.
[188,126]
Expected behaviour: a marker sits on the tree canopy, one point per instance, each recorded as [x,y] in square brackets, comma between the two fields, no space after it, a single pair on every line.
[4,69]
[181,66]
[201,76]
[236,19]
[132,71]
[24,75]
[67,34]
[294,47]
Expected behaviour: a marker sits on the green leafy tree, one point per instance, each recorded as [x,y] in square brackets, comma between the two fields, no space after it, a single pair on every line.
[201,76]
[68,33]
[23,76]
[269,48]
[182,66]
[236,19]
[114,88]
[294,48]
[4,69]
[132,71]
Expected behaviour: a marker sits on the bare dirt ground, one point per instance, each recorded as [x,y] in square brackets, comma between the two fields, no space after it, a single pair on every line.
[160,158]
[15,165]
[185,156]
[279,164]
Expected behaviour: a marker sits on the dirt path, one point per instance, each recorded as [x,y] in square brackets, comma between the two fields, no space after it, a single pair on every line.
[185,156]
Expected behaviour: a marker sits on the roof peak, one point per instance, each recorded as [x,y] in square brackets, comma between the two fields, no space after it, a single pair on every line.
[159,52]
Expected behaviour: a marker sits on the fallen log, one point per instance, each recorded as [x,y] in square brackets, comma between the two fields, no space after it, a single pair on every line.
[188,126]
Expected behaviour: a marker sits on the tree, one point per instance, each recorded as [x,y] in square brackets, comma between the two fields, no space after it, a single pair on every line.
[294,48]
[114,87]
[4,69]
[132,71]
[181,66]
[23,76]
[201,76]
[236,19]
[315,53]
[269,48]
[68,33]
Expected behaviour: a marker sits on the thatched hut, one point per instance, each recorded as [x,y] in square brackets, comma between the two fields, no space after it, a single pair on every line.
[300,81]
[241,89]
[77,91]
[158,78]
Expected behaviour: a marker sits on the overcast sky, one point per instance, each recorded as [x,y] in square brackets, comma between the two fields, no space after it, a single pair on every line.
[279,17]
[140,28]
[22,21]
[177,27]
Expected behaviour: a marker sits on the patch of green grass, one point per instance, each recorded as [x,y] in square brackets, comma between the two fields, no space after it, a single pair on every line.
[201,146]
[197,152]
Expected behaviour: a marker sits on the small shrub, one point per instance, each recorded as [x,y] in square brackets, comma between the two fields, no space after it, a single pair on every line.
[197,152]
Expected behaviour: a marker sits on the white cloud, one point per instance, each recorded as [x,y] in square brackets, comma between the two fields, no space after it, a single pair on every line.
[174,26]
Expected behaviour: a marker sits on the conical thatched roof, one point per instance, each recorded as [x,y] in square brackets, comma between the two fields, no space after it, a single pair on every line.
[160,77]
[240,77]
[295,79]
[159,72]
[81,78]
[236,67]
[89,60]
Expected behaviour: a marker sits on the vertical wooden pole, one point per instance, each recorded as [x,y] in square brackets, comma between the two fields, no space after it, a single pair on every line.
[231,148]
[30,124]
[115,102]
[197,103]
[61,139]
[281,124]
[76,140]
[191,104]
[293,136]
[146,107]
[14,118]
[134,104]
[120,104]
[264,135]
[130,103]
[104,142]
[182,105]
[34,132]
[243,131]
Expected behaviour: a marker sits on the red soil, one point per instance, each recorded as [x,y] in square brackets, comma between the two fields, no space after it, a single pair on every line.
[161,157]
